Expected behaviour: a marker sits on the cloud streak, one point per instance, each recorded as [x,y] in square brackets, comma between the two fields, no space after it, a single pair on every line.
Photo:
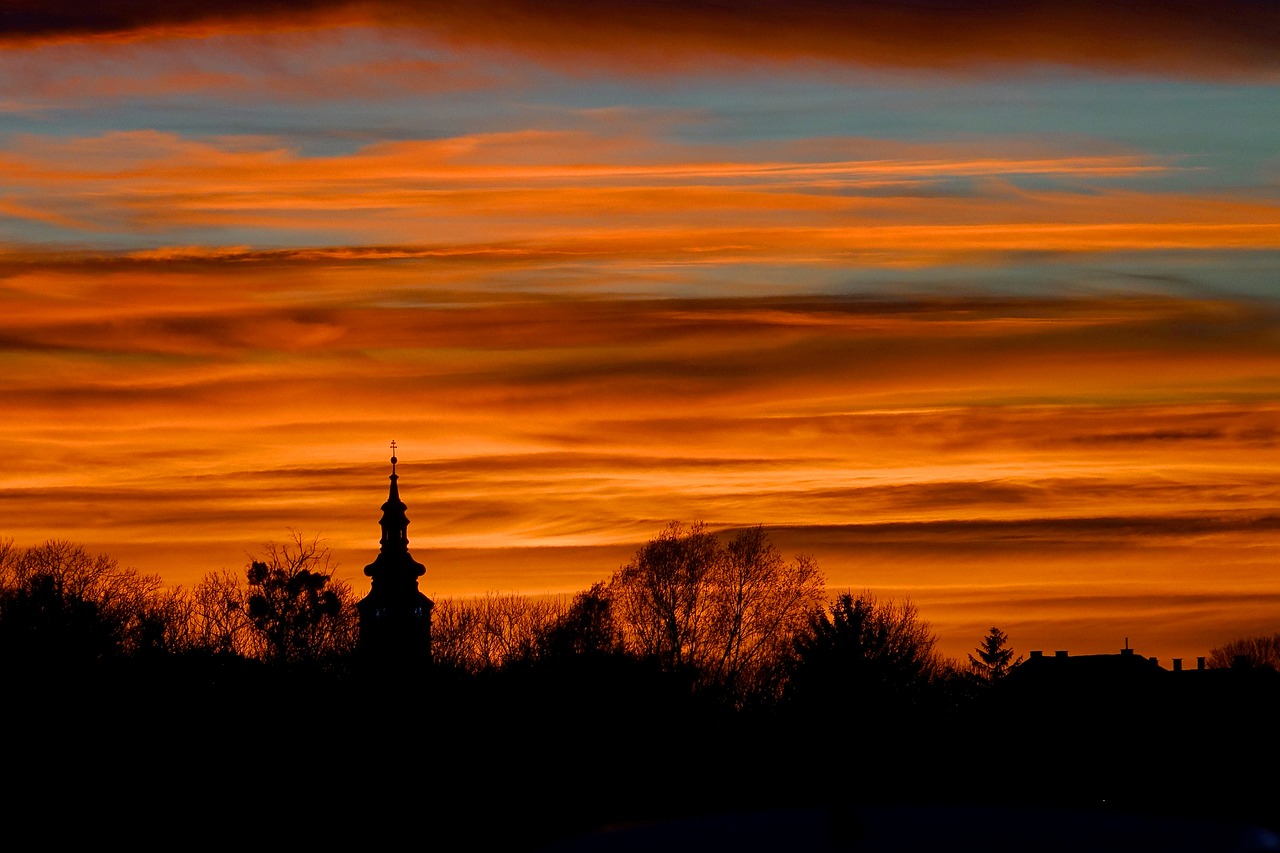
[578,195]
[913,444]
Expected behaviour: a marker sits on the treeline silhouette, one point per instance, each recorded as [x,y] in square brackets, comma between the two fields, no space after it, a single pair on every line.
[705,676]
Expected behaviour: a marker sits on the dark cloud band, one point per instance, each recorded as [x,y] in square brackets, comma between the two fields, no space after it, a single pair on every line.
[1229,38]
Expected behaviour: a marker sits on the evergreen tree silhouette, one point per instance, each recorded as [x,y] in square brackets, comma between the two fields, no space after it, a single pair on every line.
[995,659]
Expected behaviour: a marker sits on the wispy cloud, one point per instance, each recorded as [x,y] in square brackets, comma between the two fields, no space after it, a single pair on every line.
[587,420]
[577,195]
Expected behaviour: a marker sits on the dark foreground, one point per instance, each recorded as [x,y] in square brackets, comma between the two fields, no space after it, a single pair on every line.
[580,763]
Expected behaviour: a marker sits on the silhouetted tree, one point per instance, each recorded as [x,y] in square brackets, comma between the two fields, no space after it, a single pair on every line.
[760,604]
[166,622]
[297,610]
[994,661]
[62,606]
[488,632]
[725,614]
[453,627]
[1262,650]
[8,561]
[663,596]
[219,620]
[862,657]
[585,630]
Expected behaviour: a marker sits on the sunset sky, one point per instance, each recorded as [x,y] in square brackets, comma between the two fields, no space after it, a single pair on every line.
[976,301]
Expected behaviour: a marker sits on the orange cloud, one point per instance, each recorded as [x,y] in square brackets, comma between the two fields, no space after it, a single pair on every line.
[983,455]
[574,194]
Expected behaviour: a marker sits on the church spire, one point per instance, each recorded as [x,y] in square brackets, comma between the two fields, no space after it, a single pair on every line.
[395,524]
[395,617]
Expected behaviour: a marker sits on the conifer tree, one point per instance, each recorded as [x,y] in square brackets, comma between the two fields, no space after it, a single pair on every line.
[995,659]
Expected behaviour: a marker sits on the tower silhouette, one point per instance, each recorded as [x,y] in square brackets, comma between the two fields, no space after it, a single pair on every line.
[395,617]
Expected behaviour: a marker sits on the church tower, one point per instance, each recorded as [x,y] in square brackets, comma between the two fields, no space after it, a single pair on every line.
[395,617]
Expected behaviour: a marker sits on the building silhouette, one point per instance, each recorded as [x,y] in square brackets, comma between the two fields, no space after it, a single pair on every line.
[395,617]
[1105,696]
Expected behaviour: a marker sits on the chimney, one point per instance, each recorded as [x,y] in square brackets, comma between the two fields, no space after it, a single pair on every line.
[1060,654]
[1177,664]
[1037,654]
[1199,663]
[1126,651]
